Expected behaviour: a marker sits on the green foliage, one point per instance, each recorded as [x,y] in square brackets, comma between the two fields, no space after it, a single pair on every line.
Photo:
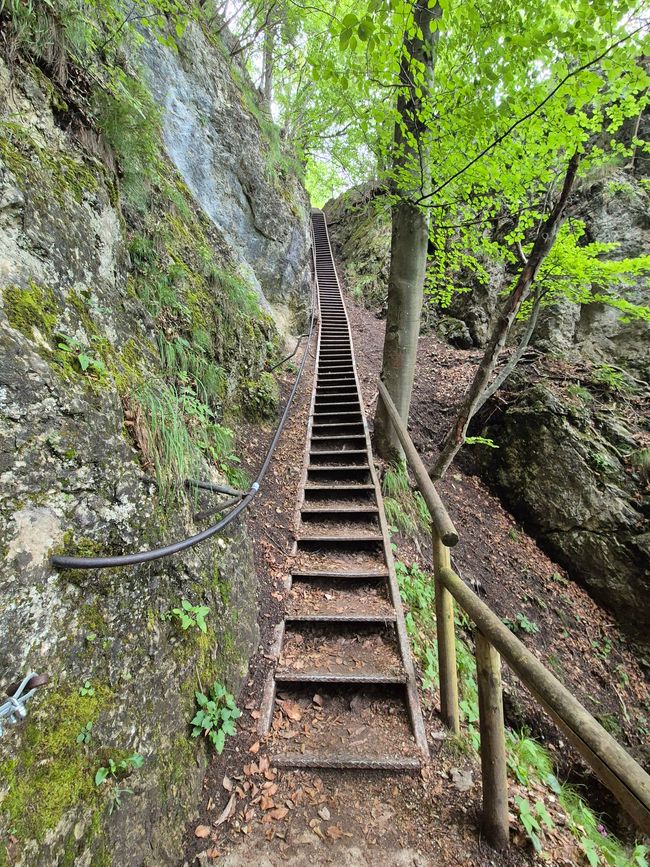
[81,356]
[612,379]
[118,769]
[528,761]
[189,615]
[405,509]
[216,716]
[397,517]
[480,441]
[261,397]
[395,480]
[87,689]
[521,623]
[532,819]
[85,734]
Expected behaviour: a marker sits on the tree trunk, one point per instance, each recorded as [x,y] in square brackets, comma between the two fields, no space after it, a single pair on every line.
[410,232]
[515,358]
[541,248]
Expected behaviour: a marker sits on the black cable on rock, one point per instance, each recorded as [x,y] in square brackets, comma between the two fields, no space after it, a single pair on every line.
[61,562]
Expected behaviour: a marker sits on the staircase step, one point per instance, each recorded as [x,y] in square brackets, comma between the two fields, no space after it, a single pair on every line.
[353,575]
[352,725]
[345,762]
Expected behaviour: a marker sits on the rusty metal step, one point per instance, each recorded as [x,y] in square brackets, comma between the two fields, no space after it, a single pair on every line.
[352,575]
[286,675]
[341,619]
[337,443]
[337,510]
[345,762]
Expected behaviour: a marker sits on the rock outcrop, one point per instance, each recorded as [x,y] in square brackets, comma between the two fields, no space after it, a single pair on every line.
[132,328]
[572,464]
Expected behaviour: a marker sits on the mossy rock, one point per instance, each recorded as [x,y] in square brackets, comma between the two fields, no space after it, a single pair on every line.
[52,773]
[261,397]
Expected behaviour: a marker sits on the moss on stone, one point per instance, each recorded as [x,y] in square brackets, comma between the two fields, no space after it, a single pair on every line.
[261,397]
[51,772]
[31,307]
[47,172]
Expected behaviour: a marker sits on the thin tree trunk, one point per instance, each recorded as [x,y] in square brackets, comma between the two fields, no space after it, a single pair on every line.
[541,248]
[410,235]
[515,358]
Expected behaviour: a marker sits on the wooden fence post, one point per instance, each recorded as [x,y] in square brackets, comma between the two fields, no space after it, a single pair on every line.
[446,638]
[493,745]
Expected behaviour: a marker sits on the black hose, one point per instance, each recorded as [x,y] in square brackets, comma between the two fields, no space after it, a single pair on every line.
[289,357]
[176,547]
[211,486]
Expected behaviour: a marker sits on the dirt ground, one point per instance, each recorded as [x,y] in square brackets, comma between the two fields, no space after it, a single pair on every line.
[253,814]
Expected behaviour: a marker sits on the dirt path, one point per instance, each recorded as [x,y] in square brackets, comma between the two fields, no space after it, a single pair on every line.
[253,814]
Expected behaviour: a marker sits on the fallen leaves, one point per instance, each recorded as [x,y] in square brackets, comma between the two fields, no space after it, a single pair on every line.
[229,810]
[202,831]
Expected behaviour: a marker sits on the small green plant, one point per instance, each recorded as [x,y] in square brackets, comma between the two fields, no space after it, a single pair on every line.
[189,615]
[613,379]
[87,689]
[85,734]
[398,517]
[88,363]
[481,441]
[559,579]
[579,391]
[513,534]
[602,649]
[521,623]
[532,818]
[216,716]
[395,480]
[600,461]
[118,770]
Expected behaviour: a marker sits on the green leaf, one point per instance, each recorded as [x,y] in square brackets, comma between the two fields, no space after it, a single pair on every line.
[101,776]
[84,361]
[219,741]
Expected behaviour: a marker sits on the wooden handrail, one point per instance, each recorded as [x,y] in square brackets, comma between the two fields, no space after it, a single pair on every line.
[439,515]
[614,766]
[620,773]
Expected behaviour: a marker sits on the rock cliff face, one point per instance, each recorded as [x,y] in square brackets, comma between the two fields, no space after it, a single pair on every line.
[570,465]
[134,326]
[229,154]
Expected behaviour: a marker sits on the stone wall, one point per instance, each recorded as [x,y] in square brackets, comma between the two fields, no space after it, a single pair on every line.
[93,288]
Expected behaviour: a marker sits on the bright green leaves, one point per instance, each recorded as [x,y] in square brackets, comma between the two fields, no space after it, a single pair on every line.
[189,616]
[355,30]
[215,719]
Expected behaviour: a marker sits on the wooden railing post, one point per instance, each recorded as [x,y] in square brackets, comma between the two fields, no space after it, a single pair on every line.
[446,638]
[493,744]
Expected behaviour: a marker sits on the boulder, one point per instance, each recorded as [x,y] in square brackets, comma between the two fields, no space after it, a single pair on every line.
[565,466]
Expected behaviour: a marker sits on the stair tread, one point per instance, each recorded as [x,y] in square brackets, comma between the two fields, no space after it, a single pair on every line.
[315,676]
[354,574]
[346,762]
[340,510]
